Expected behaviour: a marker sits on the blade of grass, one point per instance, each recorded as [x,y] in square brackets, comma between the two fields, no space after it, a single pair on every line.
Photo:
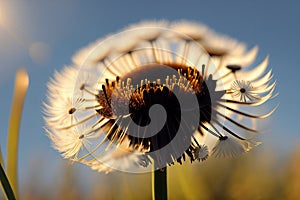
[21,85]
[1,158]
[5,184]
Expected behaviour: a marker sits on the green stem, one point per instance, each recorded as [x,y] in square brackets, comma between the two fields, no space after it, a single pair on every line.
[5,184]
[159,184]
[21,85]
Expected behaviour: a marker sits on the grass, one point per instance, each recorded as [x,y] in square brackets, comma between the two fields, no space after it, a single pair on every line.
[256,175]
[6,185]
[9,178]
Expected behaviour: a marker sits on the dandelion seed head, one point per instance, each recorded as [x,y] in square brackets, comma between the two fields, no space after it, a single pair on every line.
[152,94]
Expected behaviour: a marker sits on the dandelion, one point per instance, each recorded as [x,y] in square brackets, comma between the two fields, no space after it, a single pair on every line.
[153,95]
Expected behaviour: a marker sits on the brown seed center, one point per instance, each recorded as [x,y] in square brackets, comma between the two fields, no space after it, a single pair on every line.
[242,90]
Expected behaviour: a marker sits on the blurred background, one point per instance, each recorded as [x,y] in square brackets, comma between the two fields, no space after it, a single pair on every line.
[42,36]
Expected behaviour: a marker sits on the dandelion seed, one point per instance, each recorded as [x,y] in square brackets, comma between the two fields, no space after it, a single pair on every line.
[152,93]
[69,142]
[228,146]
[122,158]
[61,112]
[244,91]
[201,153]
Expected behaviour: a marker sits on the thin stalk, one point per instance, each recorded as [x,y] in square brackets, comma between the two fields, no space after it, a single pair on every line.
[159,184]
[5,184]
[21,85]
[1,158]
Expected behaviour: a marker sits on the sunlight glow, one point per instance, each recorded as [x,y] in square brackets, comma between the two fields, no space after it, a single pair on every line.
[3,15]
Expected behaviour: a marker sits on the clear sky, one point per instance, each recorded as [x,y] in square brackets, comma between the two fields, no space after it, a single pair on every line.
[43,36]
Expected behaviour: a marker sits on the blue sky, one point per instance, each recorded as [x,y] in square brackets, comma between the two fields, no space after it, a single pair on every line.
[60,28]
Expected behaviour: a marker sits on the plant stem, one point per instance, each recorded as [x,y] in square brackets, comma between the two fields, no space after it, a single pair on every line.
[1,158]
[5,184]
[159,184]
[21,85]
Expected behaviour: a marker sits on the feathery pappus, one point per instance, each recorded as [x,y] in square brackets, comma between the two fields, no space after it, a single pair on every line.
[153,93]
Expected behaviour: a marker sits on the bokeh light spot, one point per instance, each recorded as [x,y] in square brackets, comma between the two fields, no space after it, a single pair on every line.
[39,52]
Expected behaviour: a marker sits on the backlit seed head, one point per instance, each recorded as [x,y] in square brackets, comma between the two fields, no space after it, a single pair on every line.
[153,94]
